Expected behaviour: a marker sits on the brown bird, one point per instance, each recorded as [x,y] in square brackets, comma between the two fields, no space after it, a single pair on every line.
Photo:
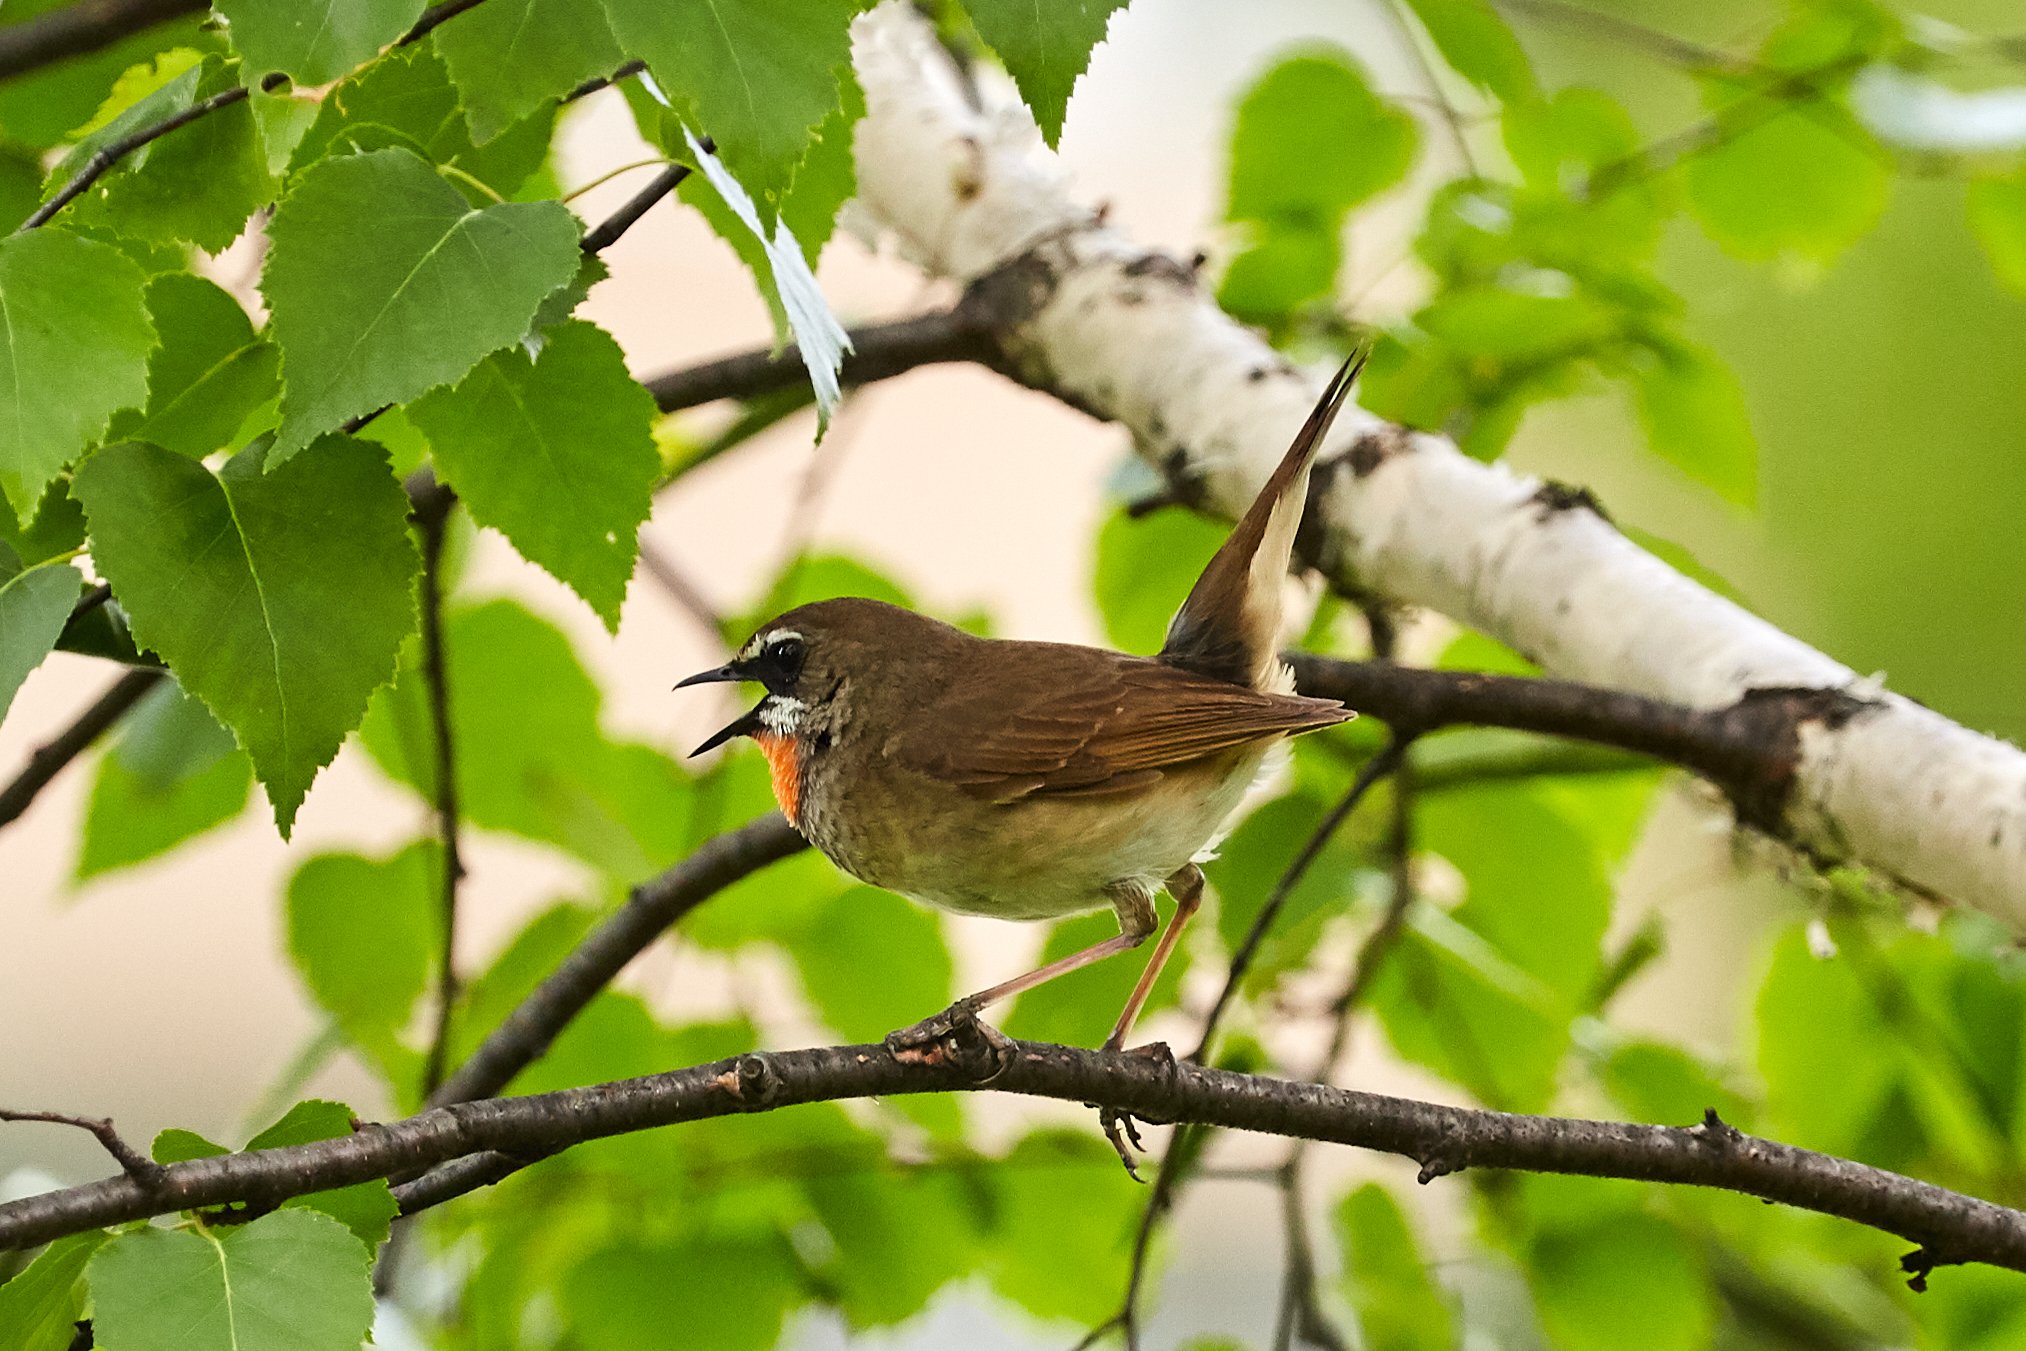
[1029,780]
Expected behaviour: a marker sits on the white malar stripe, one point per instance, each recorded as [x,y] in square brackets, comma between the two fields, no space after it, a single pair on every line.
[781,714]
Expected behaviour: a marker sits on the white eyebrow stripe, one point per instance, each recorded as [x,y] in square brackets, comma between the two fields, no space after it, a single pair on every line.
[760,642]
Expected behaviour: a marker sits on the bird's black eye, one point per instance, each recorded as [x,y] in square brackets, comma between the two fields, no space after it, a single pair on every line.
[785,653]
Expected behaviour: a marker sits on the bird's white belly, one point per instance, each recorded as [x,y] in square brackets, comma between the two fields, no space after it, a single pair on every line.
[1048,857]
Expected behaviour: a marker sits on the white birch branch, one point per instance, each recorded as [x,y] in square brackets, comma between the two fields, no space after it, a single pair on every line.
[1126,334]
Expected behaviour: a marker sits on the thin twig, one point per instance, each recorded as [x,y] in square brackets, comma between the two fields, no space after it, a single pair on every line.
[622,220]
[1301,1313]
[49,759]
[431,518]
[598,82]
[1375,769]
[663,572]
[1411,40]
[110,154]
[132,1162]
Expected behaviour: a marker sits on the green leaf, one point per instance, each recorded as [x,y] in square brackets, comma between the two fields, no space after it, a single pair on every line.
[176,1145]
[728,1292]
[1628,1280]
[1667,1086]
[365,1208]
[209,375]
[819,338]
[1287,149]
[757,76]
[867,930]
[1509,325]
[73,351]
[556,453]
[1694,411]
[370,319]
[828,175]
[1485,994]
[406,100]
[1292,186]
[532,759]
[56,526]
[509,57]
[1998,216]
[174,774]
[291,1281]
[313,41]
[1145,569]
[198,185]
[1816,1021]
[40,1307]
[35,604]
[365,934]
[1045,48]
[899,1236]
[1478,45]
[1064,1226]
[486,1000]
[279,599]
[1803,183]
[1399,1306]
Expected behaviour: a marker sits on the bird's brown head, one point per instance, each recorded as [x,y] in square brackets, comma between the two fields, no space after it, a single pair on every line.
[806,659]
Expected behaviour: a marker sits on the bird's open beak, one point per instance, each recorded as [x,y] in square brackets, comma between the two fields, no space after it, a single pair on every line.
[729,672]
[745,723]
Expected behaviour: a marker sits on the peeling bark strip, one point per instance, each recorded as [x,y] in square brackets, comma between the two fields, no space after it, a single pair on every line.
[1899,788]
[1948,1227]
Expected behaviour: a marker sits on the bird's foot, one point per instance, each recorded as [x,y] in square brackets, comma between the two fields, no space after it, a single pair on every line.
[962,1015]
[1121,1128]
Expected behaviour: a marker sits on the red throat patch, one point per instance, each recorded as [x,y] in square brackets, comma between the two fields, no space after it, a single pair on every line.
[784,761]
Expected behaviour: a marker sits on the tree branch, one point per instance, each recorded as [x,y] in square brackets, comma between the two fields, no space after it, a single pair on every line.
[1948,1227]
[605,235]
[80,28]
[431,514]
[963,332]
[50,758]
[132,1162]
[1129,334]
[526,1033]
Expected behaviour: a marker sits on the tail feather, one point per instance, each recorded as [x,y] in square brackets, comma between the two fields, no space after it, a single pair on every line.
[1229,627]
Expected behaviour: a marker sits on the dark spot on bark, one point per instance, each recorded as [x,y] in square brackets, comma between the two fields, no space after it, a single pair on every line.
[1765,726]
[1554,496]
[1161,266]
[1374,448]
[1258,373]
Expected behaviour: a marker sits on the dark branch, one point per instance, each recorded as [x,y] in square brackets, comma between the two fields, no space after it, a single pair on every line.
[527,1032]
[132,1162]
[50,758]
[622,220]
[1948,1227]
[81,28]
[1749,749]
[880,351]
[432,513]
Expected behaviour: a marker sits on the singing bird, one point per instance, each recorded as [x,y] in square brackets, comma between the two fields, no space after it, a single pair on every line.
[1027,780]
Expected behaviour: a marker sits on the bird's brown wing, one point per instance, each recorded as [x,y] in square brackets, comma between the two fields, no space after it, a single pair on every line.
[1090,724]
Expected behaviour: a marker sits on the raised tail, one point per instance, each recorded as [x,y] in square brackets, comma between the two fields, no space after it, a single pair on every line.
[1229,627]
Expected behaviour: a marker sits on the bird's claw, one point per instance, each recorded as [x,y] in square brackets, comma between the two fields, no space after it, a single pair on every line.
[961,1015]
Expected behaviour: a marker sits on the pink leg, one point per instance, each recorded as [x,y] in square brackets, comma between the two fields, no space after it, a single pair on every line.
[1186,887]
[1136,922]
